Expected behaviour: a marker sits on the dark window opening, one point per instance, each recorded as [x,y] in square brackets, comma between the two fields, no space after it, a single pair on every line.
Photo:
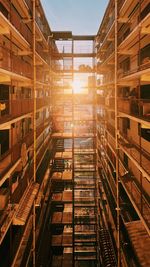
[126,33]
[145,133]
[4,99]
[144,12]
[4,141]
[145,91]
[126,125]
[126,160]
[125,65]
[4,92]
[145,54]
[4,10]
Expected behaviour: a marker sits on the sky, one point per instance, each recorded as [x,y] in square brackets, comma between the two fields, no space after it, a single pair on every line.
[79,16]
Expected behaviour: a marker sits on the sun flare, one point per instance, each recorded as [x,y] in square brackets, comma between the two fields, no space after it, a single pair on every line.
[77,87]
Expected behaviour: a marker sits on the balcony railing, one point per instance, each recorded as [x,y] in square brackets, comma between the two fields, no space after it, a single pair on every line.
[143,65]
[18,23]
[41,102]
[108,52]
[133,21]
[135,107]
[29,4]
[43,26]
[107,27]
[39,49]
[136,192]
[14,108]
[22,27]
[111,129]
[13,154]
[10,109]
[14,63]
[139,154]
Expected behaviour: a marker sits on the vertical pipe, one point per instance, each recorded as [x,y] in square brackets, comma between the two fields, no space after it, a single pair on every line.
[116,136]
[12,149]
[139,107]
[34,122]
[141,176]
[49,78]
[95,159]
[73,122]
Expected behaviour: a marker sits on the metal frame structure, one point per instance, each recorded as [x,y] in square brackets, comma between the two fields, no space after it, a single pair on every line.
[81,247]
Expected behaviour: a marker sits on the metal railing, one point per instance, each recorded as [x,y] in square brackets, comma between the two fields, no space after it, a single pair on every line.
[135,107]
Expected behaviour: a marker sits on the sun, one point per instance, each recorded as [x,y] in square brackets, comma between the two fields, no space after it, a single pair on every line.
[77,87]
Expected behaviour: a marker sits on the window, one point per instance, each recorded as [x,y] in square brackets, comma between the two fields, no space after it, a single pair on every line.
[125,160]
[4,92]
[145,54]
[4,141]
[125,65]
[126,33]
[4,99]
[144,12]
[145,91]
[145,133]
[125,125]
[4,10]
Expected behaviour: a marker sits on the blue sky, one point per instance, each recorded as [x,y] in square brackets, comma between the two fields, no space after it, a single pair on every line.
[78,16]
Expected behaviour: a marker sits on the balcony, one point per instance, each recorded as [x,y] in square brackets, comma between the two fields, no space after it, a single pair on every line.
[108,79]
[29,4]
[131,73]
[111,129]
[13,155]
[138,198]
[110,102]
[135,107]
[23,242]
[13,63]
[39,50]
[19,107]
[42,102]
[15,108]
[25,204]
[137,233]
[140,155]
[106,31]
[106,56]
[5,222]
[23,29]
[27,173]
[42,24]
[130,35]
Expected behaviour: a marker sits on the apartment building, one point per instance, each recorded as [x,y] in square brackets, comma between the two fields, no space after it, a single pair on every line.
[25,126]
[123,104]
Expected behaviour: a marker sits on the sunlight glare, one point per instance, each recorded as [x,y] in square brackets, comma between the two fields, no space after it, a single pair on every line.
[77,87]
